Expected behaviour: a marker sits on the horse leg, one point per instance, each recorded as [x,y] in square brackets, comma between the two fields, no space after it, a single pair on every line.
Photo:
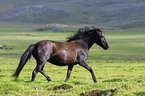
[44,74]
[34,73]
[86,66]
[70,67]
[39,68]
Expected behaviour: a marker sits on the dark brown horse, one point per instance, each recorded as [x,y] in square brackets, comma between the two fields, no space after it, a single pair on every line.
[73,51]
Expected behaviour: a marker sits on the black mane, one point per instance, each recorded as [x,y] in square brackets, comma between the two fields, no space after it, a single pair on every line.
[83,32]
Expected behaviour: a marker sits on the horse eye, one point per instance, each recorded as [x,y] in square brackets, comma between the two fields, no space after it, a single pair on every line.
[100,34]
[102,39]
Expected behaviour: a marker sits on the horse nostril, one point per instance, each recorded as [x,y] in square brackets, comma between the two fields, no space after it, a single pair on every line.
[107,47]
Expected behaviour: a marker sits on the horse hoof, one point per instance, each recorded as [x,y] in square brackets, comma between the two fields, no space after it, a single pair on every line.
[49,80]
[95,81]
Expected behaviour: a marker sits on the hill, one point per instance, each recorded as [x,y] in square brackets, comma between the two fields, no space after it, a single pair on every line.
[116,13]
[35,14]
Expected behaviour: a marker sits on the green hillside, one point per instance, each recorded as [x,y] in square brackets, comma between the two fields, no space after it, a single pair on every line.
[116,13]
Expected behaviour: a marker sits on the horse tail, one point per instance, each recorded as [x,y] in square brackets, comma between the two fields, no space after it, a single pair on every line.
[24,58]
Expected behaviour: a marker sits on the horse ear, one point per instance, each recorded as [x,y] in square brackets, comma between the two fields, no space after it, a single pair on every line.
[101,29]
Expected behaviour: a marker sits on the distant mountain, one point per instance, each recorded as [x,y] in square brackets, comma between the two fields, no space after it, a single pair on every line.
[35,14]
[117,13]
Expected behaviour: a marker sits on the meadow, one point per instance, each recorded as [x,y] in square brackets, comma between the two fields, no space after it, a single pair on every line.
[121,67]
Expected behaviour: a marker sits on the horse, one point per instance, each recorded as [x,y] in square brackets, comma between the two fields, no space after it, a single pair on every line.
[69,53]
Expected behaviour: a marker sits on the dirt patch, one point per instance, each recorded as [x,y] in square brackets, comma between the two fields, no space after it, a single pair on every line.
[109,92]
[63,86]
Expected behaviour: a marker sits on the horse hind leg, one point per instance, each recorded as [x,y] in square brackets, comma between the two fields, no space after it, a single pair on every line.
[36,70]
[34,73]
[70,67]
[39,68]
[41,57]
[44,74]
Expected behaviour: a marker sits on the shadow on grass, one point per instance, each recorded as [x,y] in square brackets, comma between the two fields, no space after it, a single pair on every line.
[115,80]
[63,86]
[62,89]
[109,92]
[29,81]
[140,94]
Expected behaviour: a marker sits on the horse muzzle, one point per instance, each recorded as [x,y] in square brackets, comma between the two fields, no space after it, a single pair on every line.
[106,47]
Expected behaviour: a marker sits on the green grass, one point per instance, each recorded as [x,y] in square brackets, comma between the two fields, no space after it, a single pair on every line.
[122,66]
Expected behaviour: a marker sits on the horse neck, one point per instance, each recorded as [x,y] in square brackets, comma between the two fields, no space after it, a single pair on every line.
[87,42]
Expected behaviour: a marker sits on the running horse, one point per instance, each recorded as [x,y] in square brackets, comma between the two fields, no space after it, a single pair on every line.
[71,52]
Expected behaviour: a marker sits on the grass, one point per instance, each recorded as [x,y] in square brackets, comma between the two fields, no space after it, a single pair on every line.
[122,66]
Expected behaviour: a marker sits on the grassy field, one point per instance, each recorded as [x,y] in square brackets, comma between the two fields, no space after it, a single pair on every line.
[121,67]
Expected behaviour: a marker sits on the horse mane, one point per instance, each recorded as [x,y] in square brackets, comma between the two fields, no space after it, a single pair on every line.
[82,32]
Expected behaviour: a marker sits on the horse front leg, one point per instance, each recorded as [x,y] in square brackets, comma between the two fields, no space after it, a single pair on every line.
[70,67]
[86,66]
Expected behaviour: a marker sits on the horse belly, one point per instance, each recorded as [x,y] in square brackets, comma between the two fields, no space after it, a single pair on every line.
[62,59]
